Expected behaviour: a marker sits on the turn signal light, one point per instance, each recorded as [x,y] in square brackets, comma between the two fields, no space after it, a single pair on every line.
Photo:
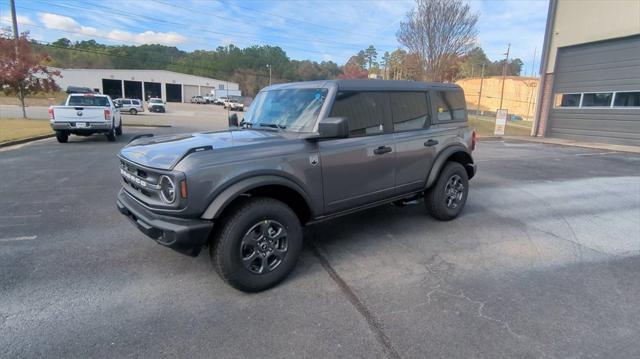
[107,115]
[183,189]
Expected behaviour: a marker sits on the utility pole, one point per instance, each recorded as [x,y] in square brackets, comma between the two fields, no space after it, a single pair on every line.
[16,37]
[504,75]
[269,67]
[533,65]
[480,92]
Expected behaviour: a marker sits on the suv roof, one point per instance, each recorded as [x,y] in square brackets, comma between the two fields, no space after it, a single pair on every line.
[369,85]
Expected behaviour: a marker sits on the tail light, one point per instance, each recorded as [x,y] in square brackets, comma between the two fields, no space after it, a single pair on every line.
[107,115]
[474,140]
[52,115]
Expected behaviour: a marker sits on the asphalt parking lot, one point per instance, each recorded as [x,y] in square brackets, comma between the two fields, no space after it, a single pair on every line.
[543,263]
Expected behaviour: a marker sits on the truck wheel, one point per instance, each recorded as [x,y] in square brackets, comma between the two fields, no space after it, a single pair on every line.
[258,245]
[133,111]
[119,129]
[111,135]
[447,197]
[62,136]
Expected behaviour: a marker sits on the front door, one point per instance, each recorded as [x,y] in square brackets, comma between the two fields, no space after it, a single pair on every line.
[359,169]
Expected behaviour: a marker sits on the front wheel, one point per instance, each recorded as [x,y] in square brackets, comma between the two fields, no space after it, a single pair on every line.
[445,200]
[111,135]
[119,129]
[258,245]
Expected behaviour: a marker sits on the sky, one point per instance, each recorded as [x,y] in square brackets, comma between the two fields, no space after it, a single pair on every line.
[315,30]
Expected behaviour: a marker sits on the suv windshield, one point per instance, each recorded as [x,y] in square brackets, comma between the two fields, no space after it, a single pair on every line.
[155,100]
[294,109]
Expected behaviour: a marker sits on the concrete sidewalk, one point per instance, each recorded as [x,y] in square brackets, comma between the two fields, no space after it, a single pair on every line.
[565,142]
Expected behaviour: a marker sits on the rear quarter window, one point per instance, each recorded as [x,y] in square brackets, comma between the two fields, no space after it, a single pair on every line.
[450,106]
[410,111]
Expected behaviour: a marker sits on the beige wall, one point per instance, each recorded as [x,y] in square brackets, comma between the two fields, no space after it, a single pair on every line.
[581,21]
[519,94]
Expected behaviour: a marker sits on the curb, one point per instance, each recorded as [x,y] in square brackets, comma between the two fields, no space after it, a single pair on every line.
[25,140]
[144,125]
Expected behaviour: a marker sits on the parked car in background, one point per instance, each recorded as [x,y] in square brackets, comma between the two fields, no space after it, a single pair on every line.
[234,105]
[197,99]
[208,98]
[305,152]
[220,100]
[130,105]
[515,118]
[156,105]
[84,115]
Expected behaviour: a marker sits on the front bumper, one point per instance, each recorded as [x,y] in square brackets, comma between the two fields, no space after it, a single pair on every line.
[156,109]
[186,236]
[89,126]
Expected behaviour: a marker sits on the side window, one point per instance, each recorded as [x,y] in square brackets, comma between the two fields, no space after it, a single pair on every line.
[365,111]
[136,102]
[126,102]
[450,106]
[410,110]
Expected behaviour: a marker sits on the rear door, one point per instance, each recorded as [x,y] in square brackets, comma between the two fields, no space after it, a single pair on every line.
[359,169]
[415,141]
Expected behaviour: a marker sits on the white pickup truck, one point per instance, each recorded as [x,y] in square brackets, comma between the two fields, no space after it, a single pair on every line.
[84,115]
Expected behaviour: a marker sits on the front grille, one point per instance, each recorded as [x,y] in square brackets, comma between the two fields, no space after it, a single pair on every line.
[139,181]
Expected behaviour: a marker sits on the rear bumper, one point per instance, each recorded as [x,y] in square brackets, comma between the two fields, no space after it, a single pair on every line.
[89,127]
[186,236]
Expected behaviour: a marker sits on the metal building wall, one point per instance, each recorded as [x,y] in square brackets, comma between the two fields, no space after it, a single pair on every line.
[606,66]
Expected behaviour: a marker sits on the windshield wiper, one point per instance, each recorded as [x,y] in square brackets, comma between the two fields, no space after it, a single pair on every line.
[272,125]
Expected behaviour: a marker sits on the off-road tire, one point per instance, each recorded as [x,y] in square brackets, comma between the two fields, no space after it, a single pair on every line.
[435,199]
[226,248]
[133,111]
[111,135]
[62,136]
[119,129]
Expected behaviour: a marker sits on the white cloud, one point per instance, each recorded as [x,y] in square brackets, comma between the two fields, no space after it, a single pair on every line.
[65,23]
[22,20]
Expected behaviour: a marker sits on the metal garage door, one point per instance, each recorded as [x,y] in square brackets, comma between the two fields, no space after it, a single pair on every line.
[597,89]
[189,92]
[206,90]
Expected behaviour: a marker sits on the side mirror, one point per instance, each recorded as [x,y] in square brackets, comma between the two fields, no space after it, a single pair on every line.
[233,120]
[333,127]
[117,105]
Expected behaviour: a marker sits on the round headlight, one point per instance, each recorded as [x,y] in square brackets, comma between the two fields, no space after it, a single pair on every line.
[167,190]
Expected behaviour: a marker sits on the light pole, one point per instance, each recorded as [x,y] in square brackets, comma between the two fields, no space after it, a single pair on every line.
[504,74]
[269,67]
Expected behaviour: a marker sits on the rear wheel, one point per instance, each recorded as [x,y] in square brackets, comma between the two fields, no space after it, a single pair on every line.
[133,111]
[119,129]
[445,200]
[258,245]
[62,136]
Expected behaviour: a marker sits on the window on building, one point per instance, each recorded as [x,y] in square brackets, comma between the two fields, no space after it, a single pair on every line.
[450,106]
[410,110]
[568,100]
[627,99]
[221,87]
[365,112]
[597,99]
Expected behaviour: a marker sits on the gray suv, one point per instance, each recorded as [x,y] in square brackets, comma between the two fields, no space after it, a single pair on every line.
[303,153]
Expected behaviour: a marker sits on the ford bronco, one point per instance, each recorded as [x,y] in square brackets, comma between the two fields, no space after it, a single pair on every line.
[303,153]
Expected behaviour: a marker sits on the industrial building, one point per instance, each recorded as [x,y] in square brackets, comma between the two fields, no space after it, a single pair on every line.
[590,68]
[143,84]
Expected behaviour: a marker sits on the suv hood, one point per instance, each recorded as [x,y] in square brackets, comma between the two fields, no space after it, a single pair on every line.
[164,152]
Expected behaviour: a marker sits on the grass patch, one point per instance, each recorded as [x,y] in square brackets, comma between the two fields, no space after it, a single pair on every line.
[16,129]
[485,126]
[38,99]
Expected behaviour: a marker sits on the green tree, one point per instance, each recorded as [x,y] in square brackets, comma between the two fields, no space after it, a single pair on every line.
[371,55]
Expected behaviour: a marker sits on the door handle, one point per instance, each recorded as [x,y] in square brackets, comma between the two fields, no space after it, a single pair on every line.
[430,143]
[382,150]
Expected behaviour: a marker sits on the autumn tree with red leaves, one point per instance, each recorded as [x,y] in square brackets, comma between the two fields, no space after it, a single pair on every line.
[25,73]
